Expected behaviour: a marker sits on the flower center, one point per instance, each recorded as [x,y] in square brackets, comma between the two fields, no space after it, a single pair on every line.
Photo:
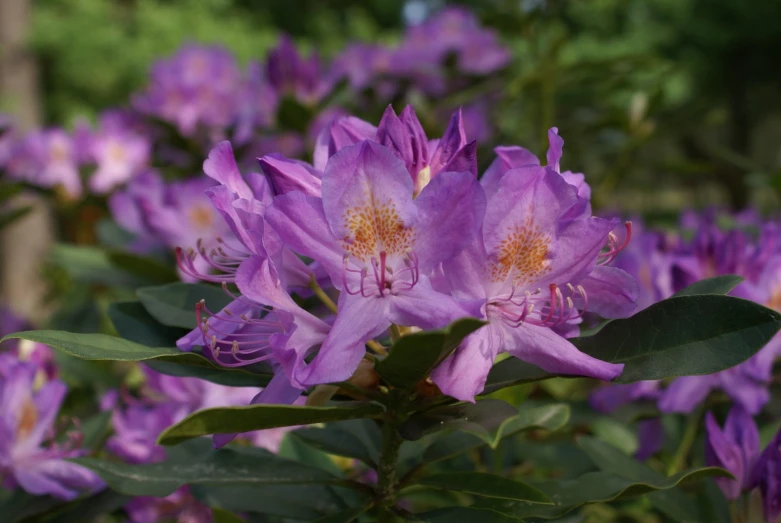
[523,254]
[201,216]
[374,229]
[27,419]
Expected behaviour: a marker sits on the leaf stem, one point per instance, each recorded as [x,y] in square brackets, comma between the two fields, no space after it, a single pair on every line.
[386,470]
[320,293]
[689,435]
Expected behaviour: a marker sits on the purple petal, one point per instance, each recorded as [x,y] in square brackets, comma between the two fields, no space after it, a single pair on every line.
[449,151]
[651,438]
[721,452]
[57,478]
[405,137]
[425,308]
[685,393]
[340,134]
[359,320]
[554,150]
[465,272]
[462,375]
[450,213]
[540,346]
[512,157]
[288,175]
[360,183]
[221,166]
[301,224]
[741,429]
[610,292]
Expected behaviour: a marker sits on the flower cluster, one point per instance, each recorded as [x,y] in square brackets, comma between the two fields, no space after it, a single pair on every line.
[664,264]
[399,227]
[200,96]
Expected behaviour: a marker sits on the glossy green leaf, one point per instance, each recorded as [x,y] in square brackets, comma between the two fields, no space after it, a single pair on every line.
[466,515]
[684,336]
[414,356]
[592,487]
[512,371]
[297,502]
[174,304]
[95,346]
[490,420]
[717,285]
[357,439]
[150,270]
[226,420]
[680,336]
[246,466]
[134,323]
[486,485]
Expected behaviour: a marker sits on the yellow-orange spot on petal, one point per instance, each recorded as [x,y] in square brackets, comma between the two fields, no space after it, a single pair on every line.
[522,255]
[27,419]
[775,300]
[373,229]
[201,216]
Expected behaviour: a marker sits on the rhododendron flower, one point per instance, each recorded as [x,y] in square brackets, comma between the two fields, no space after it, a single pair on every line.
[378,245]
[47,158]
[767,477]
[404,136]
[735,448]
[119,151]
[532,268]
[29,456]
[290,74]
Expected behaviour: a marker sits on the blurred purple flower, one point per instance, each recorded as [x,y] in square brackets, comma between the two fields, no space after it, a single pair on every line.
[119,151]
[735,448]
[290,74]
[180,506]
[767,477]
[47,158]
[29,456]
[198,87]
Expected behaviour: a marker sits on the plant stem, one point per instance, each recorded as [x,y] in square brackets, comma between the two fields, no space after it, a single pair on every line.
[386,471]
[320,293]
[331,306]
[395,332]
[689,435]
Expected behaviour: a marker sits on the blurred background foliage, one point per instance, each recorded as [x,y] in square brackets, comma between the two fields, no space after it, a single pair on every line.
[664,104]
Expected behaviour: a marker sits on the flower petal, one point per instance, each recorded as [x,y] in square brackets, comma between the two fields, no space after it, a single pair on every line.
[450,211]
[540,346]
[611,293]
[686,392]
[221,166]
[428,309]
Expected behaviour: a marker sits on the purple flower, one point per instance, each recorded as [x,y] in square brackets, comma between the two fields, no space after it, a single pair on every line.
[735,448]
[404,136]
[47,158]
[767,476]
[532,268]
[179,506]
[612,397]
[378,245]
[292,75]
[119,151]
[197,87]
[28,457]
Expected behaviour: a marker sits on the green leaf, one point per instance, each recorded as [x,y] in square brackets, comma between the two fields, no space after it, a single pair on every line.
[465,515]
[245,466]
[345,516]
[95,346]
[174,304]
[490,420]
[226,420]
[413,357]
[86,509]
[593,487]
[680,336]
[549,417]
[223,516]
[357,439]
[486,485]
[684,336]
[95,429]
[91,265]
[512,371]
[718,285]
[615,433]
[134,323]
[150,270]
[297,502]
